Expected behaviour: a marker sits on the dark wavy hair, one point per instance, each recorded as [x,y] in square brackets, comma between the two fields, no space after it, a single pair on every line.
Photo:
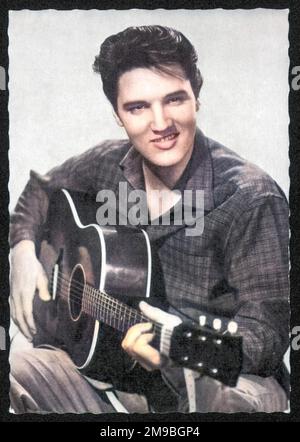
[157,47]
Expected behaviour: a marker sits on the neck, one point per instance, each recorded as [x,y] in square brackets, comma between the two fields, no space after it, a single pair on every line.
[158,203]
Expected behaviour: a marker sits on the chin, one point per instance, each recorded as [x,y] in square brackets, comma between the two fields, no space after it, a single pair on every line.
[167,162]
[172,159]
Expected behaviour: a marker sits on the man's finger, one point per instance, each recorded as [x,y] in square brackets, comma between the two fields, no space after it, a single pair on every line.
[146,366]
[134,334]
[146,355]
[42,285]
[28,313]
[157,315]
[22,323]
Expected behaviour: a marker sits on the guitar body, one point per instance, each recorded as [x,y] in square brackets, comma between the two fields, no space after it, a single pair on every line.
[76,253]
[98,275]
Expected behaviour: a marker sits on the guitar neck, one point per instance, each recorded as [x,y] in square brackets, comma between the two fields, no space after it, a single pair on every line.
[200,347]
[103,307]
[111,311]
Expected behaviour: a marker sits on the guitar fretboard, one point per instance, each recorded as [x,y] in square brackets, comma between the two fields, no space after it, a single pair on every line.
[109,310]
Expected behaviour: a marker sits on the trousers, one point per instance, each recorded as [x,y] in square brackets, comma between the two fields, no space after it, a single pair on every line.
[46,381]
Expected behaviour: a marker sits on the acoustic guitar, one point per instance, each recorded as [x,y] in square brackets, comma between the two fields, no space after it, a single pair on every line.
[97,276]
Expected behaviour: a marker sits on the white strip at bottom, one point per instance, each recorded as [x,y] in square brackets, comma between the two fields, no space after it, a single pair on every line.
[115,402]
[103,387]
[189,376]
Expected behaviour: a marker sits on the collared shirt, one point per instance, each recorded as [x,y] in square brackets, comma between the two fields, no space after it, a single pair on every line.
[237,267]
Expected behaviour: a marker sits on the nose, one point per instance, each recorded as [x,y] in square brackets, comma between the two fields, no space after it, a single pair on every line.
[160,119]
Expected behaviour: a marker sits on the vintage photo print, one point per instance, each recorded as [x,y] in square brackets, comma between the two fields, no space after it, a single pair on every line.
[149,193]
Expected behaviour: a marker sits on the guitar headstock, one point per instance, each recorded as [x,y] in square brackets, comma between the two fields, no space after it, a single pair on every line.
[209,351]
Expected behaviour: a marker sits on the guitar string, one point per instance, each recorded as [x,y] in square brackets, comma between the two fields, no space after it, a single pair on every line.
[90,306]
[111,301]
[106,307]
[164,339]
[127,323]
[127,315]
[91,290]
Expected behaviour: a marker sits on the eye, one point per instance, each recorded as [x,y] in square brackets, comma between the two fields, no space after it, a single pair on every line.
[136,109]
[175,100]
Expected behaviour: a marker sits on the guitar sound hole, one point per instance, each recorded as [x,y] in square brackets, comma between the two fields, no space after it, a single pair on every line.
[77,283]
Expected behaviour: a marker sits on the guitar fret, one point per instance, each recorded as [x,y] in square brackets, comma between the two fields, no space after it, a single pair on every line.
[100,310]
[120,316]
[108,310]
[111,315]
[95,304]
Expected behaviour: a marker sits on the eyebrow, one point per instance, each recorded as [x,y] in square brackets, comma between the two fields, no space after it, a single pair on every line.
[130,104]
[181,92]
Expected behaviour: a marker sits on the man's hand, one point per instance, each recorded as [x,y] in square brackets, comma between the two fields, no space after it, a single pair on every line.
[138,337]
[136,344]
[27,275]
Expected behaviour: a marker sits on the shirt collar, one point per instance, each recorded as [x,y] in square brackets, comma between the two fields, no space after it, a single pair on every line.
[131,165]
[198,174]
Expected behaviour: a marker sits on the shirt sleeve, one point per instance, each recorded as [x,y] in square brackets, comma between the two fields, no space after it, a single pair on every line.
[77,173]
[257,263]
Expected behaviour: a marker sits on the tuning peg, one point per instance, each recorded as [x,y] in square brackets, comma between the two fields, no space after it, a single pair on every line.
[202,338]
[202,320]
[185,358]
[188,334]
[232,327]
[218,341]
[217,324]
[214,371]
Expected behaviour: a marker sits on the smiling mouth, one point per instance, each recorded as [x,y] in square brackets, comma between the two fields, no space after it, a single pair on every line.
[167,138]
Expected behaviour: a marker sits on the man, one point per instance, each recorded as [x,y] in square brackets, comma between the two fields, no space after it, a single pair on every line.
[238,265]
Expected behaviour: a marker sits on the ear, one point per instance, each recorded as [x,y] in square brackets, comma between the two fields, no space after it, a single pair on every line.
[117,118]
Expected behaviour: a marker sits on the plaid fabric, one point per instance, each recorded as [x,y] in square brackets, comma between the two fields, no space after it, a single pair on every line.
[237,267]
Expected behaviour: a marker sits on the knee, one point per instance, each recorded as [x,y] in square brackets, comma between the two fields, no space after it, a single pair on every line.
[251,394]
[26,380]
[19,361]
[215,397]
[23,365]
[31,364]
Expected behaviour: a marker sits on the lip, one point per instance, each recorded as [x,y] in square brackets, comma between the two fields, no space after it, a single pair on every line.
[165,145]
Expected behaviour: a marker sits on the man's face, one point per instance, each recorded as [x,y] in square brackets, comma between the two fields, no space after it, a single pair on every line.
[158,112]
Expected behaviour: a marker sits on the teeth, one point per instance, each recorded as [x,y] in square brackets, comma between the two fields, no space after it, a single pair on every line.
[169,137]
